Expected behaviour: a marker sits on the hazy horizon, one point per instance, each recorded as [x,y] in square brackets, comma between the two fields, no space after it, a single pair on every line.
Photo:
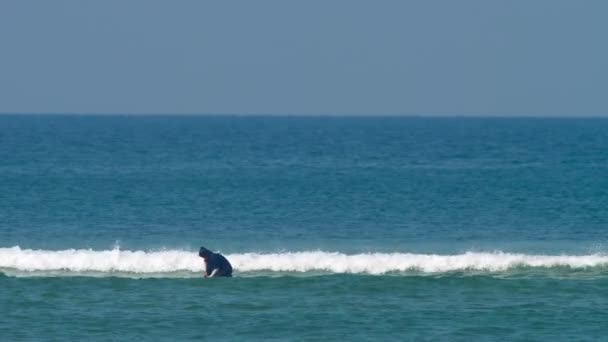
[318,115]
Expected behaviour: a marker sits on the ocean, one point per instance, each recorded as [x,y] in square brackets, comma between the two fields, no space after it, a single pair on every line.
[338,228]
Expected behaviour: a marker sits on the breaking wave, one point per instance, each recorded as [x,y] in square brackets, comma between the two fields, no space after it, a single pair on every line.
[186,263]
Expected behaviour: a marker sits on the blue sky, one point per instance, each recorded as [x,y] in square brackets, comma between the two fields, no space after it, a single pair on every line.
[427,57]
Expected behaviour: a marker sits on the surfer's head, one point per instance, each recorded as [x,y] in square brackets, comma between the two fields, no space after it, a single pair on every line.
[203,252]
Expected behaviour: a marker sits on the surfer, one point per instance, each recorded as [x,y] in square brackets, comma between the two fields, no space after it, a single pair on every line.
[216,265]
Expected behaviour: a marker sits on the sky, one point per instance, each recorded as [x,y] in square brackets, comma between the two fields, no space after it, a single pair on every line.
[313,57]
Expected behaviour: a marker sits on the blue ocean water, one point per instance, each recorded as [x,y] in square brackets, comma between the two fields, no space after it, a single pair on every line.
[338,227]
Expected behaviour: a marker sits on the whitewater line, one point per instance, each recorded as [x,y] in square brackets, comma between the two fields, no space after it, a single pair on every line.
[115,260]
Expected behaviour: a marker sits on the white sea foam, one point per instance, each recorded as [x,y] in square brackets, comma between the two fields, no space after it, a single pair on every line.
[173,261]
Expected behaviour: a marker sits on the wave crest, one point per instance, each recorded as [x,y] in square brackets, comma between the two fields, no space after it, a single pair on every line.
[173,261]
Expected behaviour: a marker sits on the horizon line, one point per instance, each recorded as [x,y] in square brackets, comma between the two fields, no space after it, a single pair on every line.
[318,115]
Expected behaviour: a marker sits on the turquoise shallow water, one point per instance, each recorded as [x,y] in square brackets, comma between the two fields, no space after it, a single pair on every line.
[357,228]
[334,307]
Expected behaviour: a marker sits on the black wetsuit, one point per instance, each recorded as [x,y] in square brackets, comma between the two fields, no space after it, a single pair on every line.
[216,260]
